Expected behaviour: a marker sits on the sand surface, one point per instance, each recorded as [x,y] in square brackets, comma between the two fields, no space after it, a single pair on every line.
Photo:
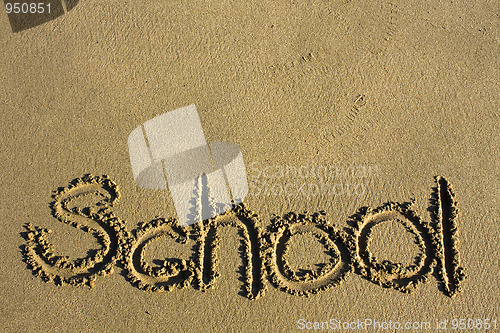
[371,102]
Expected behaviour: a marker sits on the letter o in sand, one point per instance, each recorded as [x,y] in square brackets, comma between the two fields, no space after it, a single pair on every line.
[280,272]
[386,273]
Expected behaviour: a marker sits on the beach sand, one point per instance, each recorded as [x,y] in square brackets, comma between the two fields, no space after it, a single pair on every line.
[368,101]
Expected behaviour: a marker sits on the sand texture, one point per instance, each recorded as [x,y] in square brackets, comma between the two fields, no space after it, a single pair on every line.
[369,134]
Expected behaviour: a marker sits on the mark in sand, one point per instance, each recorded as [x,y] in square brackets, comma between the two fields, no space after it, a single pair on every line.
[445,214]
[98,220]
[349,118]
[328,276]
[264,254]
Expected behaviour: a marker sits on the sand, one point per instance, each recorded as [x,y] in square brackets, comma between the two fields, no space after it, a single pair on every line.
[369,132]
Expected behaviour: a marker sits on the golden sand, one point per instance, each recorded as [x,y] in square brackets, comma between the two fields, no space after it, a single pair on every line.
[397,100]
